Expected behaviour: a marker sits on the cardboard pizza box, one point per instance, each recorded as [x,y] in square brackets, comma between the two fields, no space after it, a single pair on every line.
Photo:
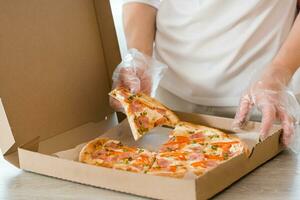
[56,62]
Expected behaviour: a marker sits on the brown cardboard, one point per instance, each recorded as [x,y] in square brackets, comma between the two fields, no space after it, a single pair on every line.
[108,36]
[144,185]
[217,180]
[37,157]
[6,138]
[56,60]
[53,72]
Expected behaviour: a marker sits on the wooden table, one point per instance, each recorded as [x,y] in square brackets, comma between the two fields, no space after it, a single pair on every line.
[277,179]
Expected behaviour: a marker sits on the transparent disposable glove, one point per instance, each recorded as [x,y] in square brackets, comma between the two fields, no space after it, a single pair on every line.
[139,73]
[276,102]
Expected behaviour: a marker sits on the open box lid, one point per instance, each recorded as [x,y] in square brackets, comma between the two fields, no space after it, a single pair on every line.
[56,60]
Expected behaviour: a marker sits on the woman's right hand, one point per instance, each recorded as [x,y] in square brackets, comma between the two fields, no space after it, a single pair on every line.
[138,73]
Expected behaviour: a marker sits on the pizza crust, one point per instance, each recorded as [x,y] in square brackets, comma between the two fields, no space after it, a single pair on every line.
[179,174]
[85,154]
[136,135]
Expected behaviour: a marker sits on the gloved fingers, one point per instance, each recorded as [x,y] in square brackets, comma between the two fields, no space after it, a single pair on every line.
[242,113]
[288,126]
[138,73]
[116,105]
[128,79]
[146,84]
[268,117]
[124,77]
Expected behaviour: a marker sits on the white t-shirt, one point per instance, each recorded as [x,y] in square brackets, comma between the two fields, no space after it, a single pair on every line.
[214,47]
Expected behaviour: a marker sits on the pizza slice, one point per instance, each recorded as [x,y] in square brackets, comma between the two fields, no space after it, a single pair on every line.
[113,154]
[204,148]
[192,137]
[211,155]
[143,112]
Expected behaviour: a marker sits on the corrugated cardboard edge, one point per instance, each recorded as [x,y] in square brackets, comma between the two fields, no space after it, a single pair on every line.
[108,35]
[6,136]
[128,182]
[109,40]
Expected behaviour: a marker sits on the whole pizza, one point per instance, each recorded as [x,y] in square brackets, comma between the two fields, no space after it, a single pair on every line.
[190,148]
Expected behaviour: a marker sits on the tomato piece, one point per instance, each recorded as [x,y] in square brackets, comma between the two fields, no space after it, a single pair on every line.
[182,139]
[224,143]
[160,121]
[144,159]
[130,149]
[199,164]
[214,157]
[161,111]
[179,155]
[173,168]
[199,140]
[226,147]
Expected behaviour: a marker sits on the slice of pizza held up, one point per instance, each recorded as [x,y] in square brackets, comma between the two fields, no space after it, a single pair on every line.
[143,112]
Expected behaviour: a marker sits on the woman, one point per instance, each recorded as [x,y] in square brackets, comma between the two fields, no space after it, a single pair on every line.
[222,56]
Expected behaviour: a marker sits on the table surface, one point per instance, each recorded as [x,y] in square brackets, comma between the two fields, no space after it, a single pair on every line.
[277,179]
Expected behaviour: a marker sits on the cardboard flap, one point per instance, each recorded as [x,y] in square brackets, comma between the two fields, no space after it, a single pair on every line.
[53,72]
[6,137]
[108,35]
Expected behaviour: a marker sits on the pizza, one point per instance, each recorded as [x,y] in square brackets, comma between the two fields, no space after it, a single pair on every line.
[191,148]
[113,154]
[202,148]
[207,140]
[143,112]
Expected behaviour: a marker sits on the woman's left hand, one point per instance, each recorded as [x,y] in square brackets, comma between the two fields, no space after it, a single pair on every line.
[270,96]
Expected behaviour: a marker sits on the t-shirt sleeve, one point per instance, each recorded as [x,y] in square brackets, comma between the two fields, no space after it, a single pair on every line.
[154,3]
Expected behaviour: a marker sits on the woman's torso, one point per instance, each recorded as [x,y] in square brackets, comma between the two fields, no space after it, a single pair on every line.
[213,47]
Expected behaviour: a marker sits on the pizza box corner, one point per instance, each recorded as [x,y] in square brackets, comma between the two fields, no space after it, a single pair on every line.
[54,83]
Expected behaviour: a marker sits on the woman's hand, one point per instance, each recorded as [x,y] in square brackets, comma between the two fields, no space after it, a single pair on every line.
[138,73]
[271,96]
